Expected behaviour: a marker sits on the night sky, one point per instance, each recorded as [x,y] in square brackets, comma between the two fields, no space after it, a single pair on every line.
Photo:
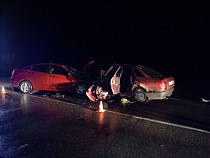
[172,37]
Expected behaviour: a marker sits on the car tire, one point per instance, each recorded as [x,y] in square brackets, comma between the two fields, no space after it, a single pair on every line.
[140,95]
[80,89]
[26,87]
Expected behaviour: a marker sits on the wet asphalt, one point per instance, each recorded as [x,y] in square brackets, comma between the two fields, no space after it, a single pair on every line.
[42,126]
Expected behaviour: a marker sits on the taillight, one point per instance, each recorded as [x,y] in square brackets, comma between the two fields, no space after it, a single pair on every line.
[161,86]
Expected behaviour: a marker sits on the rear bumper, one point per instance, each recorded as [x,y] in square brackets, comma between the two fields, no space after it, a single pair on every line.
[159,95]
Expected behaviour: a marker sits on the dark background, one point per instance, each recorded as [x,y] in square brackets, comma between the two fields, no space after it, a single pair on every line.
[171,37]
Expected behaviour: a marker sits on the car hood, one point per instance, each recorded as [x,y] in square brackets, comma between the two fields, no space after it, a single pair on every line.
[87,67]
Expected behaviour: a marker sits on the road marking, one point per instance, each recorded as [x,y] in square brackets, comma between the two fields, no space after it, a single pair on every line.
[81,117]
[161,122]
[22,146]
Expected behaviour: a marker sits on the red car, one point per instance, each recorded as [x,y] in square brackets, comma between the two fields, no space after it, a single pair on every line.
[49,77]
[138,82]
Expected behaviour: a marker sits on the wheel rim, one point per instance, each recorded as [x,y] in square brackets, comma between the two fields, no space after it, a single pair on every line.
[81,89]
[25,87]
[140,96]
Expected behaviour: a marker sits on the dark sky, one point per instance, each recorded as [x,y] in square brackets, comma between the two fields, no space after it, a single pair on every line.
[169,36]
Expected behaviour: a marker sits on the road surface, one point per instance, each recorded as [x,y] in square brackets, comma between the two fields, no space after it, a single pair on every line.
[41,126]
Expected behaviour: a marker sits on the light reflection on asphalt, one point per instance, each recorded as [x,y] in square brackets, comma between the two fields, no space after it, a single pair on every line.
[5,99]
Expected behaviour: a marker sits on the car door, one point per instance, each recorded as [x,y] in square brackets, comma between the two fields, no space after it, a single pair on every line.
[38,75]
[115,81]
[60,79]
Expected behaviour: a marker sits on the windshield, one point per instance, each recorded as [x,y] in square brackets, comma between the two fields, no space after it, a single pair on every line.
[150,72]
[73,70]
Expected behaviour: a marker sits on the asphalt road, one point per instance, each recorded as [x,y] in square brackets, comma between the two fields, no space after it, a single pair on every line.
[42,126]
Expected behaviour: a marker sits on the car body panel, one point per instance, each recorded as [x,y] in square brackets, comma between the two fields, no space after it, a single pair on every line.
[59,82]
[39,80]
[115,81]
[115,84]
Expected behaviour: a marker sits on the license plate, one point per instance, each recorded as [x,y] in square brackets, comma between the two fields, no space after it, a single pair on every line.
[171,83]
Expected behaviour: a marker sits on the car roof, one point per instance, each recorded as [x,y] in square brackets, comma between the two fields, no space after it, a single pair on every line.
[47,64]
[128,65]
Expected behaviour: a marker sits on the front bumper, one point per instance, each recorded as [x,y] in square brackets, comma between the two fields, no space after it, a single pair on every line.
[159,95]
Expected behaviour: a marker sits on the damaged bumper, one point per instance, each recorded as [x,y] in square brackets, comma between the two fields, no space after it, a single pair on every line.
[159,95]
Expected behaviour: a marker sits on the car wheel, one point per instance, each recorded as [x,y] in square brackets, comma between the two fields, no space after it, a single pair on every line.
[80,89]
[140,96]
[26,87]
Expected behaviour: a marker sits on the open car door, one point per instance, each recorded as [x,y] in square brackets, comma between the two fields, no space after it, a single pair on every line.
[115,81]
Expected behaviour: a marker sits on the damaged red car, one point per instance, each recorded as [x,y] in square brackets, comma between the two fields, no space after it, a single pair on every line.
[138,82]
[50,77]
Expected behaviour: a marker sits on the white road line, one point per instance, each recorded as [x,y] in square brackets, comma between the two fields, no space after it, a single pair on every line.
[81,117]
[22,146]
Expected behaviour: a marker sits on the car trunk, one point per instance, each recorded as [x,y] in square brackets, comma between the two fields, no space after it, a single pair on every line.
[170,83]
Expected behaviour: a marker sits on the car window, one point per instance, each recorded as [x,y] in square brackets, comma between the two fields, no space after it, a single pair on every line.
[151,73]
[40,68]
[128,72]
[138,73]
[58,70]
